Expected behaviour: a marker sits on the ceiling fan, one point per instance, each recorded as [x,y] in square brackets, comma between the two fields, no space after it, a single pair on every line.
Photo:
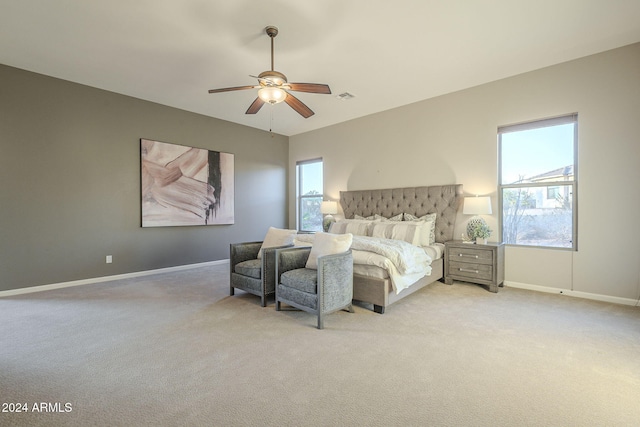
[274,88]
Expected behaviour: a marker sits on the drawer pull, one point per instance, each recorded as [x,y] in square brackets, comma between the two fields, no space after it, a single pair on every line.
[468,270]
[468,256]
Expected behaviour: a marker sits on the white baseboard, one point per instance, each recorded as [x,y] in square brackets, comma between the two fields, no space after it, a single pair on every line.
[569,292]
[108,278]
[538,288]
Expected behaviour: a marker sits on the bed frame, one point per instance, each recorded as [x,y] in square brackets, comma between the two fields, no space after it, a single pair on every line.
[442,199]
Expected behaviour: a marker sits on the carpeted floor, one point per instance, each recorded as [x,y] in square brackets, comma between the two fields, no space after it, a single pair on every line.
[175,349]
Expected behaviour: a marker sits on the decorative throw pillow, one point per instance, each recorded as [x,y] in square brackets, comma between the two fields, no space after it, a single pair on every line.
[277,237]
[410,232]
[370,218]
[428,217]
[396,218]
[356,227]
[380,217]
[328,244]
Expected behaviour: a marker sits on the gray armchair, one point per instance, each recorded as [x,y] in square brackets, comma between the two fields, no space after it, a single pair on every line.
[321,291]
[250,274]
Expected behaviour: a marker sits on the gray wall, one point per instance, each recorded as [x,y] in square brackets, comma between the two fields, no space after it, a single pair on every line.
[70,182]
[453,139]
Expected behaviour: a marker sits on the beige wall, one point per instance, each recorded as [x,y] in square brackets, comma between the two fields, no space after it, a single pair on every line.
[452,139]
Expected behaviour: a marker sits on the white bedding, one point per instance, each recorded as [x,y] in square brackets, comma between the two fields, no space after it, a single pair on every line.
[435,251]
[403,262]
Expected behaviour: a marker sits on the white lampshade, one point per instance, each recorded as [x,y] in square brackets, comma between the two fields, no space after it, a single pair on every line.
[479,205]
[272,94]
[329,208]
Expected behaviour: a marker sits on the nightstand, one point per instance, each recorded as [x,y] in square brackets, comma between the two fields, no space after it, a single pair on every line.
[481,264]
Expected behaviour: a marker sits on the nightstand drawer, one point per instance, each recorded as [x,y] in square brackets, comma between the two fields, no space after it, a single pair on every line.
[479,256]
[471,271]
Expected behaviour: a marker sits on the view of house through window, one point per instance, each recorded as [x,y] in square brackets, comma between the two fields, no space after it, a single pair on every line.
[309,194]
[538,181]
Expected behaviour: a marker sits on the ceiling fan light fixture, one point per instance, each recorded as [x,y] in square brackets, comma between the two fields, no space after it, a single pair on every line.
[272,95]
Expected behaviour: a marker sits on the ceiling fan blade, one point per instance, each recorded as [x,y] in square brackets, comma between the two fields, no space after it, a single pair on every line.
[229,89]
[310,87]
[299,106]
[255,106]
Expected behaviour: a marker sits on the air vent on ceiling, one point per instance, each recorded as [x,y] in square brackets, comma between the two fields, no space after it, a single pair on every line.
[345,95]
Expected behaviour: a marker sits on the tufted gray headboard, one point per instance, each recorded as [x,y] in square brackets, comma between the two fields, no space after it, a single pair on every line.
[417,201]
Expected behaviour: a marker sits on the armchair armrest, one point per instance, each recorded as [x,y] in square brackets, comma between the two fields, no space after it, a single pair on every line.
[269,266]
[335,280]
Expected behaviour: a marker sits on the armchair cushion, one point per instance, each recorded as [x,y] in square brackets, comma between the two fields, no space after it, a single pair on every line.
[302,279]
[251,268]
[328,244]
[277,237]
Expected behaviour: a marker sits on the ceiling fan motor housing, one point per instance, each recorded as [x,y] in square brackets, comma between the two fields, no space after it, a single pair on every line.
[272,78]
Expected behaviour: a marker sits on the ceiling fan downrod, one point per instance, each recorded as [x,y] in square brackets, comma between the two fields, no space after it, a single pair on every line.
[272,32]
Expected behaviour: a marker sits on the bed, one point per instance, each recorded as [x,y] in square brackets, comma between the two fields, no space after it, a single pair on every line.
[444,200]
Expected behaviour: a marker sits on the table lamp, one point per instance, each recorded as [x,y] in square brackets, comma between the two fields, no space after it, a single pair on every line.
[328,209]
[479,205]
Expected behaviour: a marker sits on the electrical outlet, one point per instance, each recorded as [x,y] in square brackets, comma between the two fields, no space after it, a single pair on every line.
[109,259]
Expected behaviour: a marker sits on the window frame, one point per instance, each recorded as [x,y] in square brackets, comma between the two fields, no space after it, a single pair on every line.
[301,197]
[537,124]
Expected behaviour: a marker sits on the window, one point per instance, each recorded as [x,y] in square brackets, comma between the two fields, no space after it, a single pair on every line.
[309,194]
[538,182]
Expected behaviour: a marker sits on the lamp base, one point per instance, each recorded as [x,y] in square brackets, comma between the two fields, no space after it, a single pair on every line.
[326,222]
[473,222]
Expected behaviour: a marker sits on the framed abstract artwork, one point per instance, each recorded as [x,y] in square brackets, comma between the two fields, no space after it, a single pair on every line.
[183,185]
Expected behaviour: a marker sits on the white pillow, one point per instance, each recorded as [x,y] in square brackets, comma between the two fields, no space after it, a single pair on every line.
[427,233]
[277,237]
[428,217]
[328,244]
[410,232]
[357,227]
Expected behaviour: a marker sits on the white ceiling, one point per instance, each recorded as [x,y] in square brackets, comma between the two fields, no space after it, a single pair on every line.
[387,53]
